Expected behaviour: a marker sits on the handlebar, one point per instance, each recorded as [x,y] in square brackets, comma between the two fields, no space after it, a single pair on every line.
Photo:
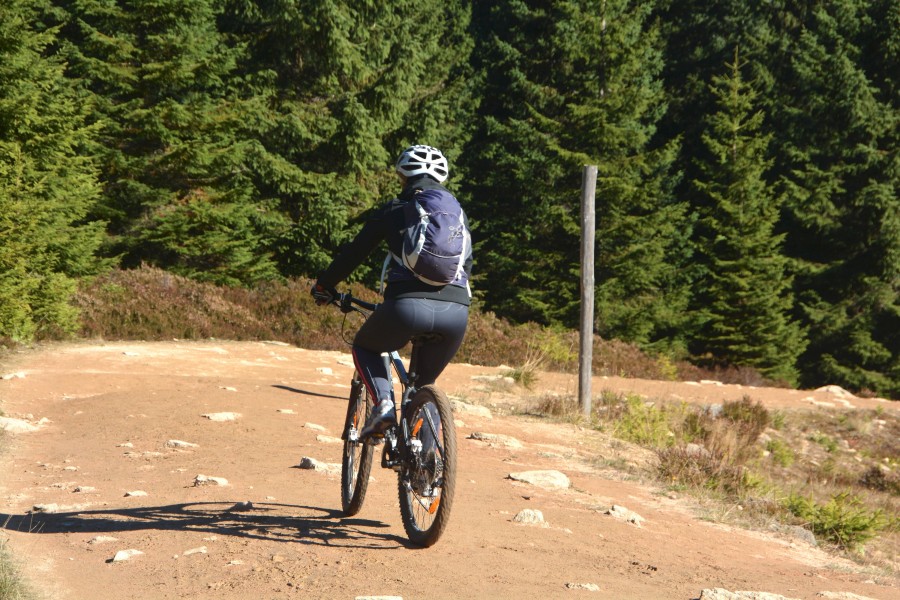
[347,303]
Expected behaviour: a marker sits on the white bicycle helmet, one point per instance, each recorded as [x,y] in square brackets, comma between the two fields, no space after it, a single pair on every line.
[423,160]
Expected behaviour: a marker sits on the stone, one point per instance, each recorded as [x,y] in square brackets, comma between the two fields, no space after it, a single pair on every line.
[835,390]
[496,439]
[472,409]
[551,480]
[180,444]
[200,480]
[530,516]
[320,467]
[505,380]
[16,425]
[623,514]
[102,539]
[123,555]
[222,416]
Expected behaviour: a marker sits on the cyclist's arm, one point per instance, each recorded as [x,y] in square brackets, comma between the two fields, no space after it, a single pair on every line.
[353,253]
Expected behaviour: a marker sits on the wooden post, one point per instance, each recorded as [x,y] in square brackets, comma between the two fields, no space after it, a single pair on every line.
[586,350]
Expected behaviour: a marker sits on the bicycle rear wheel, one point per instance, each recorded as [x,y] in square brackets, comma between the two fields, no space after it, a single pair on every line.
[357,460]
[427,479]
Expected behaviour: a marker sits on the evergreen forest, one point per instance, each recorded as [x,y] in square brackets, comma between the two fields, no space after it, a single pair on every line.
[747,208]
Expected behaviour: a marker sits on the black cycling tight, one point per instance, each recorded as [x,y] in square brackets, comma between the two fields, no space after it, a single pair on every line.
[391,327]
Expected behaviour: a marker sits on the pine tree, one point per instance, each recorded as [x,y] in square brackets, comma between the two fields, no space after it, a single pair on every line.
[351,84]
[176,190]
[568,85]
[744,293]
[836,108]
[47,184]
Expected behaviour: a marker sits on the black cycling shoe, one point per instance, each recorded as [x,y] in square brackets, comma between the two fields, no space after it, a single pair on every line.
[384,414]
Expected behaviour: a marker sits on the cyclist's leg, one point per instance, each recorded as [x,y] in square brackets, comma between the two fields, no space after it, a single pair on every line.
[382,332]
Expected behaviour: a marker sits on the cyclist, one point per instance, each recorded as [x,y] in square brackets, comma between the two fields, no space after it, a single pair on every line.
[411,306]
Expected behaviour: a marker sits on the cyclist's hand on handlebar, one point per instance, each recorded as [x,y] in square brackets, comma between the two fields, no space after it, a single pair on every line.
[322,294]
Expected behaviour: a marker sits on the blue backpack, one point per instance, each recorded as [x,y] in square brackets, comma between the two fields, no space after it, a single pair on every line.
[436,241]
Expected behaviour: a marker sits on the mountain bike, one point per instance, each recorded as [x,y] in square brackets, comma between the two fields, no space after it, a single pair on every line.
[420,446]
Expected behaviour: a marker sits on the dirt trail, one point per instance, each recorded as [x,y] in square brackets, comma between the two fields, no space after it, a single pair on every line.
[275,531]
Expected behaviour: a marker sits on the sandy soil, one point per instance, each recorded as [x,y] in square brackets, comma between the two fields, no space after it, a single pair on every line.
[276,531]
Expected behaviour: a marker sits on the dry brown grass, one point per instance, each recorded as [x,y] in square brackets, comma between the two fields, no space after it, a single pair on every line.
[151,304]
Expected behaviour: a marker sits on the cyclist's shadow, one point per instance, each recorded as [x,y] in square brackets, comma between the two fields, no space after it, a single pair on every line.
[266,521]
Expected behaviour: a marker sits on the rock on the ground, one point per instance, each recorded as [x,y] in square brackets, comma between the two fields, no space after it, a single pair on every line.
[11,425]
[842,596]
[530,516]
[472,409]
[207,480]
[180,444]
[836,390]
[222,417]
[588,587]
[314,465]
[123,555]
[102,539]
[504,380]
[551,480]
[623,514]
[496,439]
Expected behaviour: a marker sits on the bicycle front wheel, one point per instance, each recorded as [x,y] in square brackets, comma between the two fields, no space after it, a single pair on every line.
[357,460]
[427,479]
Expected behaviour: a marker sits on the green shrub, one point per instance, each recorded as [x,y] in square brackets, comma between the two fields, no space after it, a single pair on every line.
[641,422]
[843,520]
[827,442]
[781,453]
